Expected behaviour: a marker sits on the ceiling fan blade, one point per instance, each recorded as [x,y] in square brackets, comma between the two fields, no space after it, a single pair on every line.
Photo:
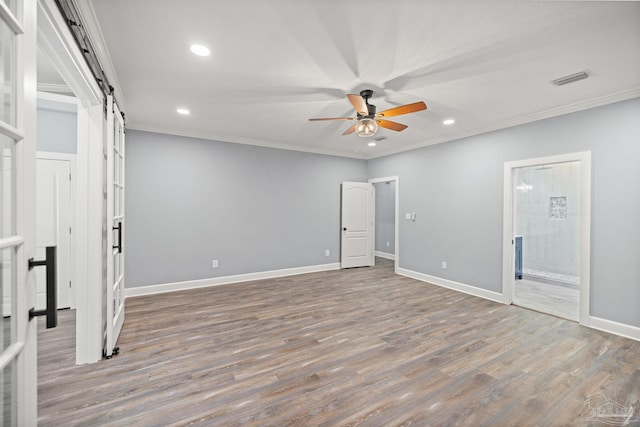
[388,124]
[350,130]
[358,103]
[403,109]
[332,118]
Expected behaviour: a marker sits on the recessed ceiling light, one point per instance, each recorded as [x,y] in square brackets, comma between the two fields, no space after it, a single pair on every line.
[200,50]
[448,122]
[371,144]
[183,111]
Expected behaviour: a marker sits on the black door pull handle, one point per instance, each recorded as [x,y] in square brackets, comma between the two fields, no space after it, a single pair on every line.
[119,245]
[51,311]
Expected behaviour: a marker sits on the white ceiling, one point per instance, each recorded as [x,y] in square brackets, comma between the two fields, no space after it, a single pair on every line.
[274,64]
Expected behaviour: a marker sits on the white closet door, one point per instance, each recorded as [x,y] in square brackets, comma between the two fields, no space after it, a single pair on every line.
[116,222]
[357,224]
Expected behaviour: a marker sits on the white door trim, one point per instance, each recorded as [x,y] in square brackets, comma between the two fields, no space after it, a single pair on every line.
[508,268]
[397,219]
[61,99]
[57,43]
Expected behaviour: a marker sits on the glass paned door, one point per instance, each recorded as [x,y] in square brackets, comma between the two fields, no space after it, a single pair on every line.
[17,221]
[115,209]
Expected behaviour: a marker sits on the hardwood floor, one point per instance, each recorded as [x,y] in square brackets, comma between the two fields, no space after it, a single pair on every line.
[557,300]
[340,348]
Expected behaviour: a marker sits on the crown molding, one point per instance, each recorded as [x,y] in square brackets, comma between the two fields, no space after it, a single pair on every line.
[550,113]
[54,88]
[246,141]
[541,115]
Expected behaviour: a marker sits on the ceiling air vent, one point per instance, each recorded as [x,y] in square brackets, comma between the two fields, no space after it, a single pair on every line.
[570,78]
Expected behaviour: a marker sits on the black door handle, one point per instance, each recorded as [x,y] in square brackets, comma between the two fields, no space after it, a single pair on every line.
[344,228]
[119,245]
[52,288]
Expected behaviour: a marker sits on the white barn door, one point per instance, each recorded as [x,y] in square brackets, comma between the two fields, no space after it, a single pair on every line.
[115,223]
[357,224]
[18,348]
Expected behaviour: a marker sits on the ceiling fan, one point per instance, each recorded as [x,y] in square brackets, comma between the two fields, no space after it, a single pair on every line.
[367,118]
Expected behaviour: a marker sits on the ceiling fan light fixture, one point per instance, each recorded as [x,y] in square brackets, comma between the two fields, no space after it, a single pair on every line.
[366,127]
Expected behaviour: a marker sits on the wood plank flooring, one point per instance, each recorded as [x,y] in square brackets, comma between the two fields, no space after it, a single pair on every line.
[562,301]
[341,348]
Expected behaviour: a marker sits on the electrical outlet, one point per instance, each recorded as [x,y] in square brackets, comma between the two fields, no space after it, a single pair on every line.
[214,263]
[387,244]
[444,265]
[327,252]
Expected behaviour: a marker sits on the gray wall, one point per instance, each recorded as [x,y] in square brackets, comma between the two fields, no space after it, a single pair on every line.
[57,127]
[456,190]
[190,201]
[385,216]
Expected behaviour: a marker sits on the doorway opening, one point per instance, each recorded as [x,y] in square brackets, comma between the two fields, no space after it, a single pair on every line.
[56,211]
[63,70]
[547,224]
[387,208]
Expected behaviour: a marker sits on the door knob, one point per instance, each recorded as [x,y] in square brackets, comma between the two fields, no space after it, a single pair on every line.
[344,228]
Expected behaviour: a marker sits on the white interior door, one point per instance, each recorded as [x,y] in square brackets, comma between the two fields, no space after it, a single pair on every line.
[18,367]
[357,224]
[115,239]
[53,225]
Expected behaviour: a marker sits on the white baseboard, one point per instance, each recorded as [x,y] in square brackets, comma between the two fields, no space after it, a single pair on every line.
[385,255]
[624,330]
[226,280]
[450,284]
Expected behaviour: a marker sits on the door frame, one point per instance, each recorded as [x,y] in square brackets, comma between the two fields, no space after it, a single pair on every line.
[57,43]
[396,179]
[508,247]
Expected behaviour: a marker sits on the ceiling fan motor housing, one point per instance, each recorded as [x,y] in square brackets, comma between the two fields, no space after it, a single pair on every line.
[366,94]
